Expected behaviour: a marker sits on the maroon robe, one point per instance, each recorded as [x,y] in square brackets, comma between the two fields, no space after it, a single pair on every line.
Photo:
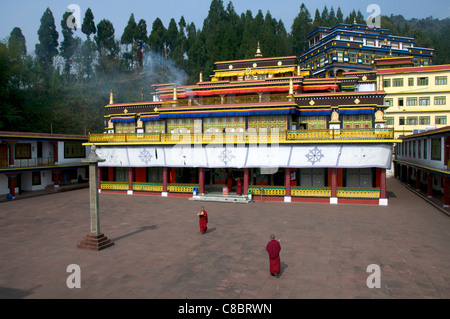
[203,221]
[239,187]
[273,248]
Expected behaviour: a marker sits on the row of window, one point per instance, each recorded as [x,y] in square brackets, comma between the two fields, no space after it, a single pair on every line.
[421,81]
[415,101]
[417,120]
[419,149]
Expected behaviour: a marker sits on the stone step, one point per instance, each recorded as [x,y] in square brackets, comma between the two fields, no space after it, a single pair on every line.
[221,198]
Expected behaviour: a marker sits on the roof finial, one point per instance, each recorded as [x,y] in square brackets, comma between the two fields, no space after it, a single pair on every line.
[258,52]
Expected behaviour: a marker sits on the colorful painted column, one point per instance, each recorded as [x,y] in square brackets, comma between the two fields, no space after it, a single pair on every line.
[383,192]
[56,178]
[12,184]
[287,183]
[333,197]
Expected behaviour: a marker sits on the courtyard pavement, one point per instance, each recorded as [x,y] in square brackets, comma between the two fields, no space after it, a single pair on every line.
[159,252]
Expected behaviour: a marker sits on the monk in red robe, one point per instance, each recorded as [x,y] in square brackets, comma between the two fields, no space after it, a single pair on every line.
[273,248]
[238,186]
[203,220]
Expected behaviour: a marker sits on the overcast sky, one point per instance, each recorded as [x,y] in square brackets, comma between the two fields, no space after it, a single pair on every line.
[26,14]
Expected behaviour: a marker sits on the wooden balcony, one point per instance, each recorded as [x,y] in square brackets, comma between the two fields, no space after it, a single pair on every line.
[248,137]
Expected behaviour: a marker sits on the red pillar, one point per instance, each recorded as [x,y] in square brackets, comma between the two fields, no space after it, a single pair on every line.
[383,192]
[333,197]
[287,183]
[130,180]
[55,151]
[430,185]
[12,185]
[111,174]
[164,180]
[99,179]
[446,191]
[246,180]
[56,178]
[11,153]
[201,180]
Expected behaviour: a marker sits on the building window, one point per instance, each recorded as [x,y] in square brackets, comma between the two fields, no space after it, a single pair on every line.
[340,56]
[22,151]
[353,57]
[424,101]
[424,120]
[436,149]
[411,120]
[440,100]
[400,101]
[411,101]
[422,81]
[370,42]
[389,120]
[74,150]
[441,80]
[387,83]
[389,102]
[401,120]
[366,59]
[397,82]
[394,45]
[414,149]
[440,120]
[410,81]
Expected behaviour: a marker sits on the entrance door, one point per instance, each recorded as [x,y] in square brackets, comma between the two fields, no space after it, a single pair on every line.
[3,155]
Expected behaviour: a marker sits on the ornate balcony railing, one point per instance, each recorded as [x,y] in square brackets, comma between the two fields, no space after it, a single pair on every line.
[247,137]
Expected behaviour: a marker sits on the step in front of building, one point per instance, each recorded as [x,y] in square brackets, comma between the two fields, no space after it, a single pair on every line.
[221,198]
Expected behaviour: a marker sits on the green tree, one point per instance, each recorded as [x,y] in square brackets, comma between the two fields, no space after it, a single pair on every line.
[300,28]
[88,26]
[46,49]
[157,36]
[69,45]
[17,45]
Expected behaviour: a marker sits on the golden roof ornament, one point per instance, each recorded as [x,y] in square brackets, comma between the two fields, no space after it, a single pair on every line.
[258,52]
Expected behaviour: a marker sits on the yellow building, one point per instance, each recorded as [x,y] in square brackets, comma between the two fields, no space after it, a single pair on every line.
[418,97]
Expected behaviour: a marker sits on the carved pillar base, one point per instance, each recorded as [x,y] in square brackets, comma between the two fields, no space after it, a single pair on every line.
[95,242]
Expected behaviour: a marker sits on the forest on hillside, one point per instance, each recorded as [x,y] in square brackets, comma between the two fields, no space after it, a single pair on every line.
[64,85]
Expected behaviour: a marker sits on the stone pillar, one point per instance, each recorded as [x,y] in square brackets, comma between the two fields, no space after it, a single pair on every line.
[430,185]
[333,197]
[95,240]
[287,183]
[383,192]
[201,181]
[165,178]
[130,181]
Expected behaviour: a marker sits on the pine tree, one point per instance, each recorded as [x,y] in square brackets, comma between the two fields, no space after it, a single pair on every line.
[46,49]
[69,44]
[88,26]
[300,28]
[16,44]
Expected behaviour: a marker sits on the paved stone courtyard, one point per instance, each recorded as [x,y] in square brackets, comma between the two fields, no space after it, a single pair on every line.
[160,253]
